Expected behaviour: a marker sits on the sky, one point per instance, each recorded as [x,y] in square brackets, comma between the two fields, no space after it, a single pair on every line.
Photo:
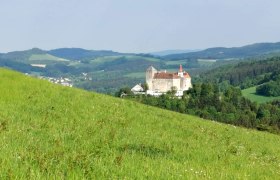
[137,25]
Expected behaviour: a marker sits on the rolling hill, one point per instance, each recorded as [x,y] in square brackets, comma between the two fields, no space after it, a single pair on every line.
[169,52]
[49,131]
[253,50]
[22,55]
[244,74]
[79,53]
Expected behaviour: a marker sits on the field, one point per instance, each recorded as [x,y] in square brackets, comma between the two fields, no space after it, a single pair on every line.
[136,75]
[107,59]
[207,62]
[45,57]
[176,62]
[52,132]
[250,93]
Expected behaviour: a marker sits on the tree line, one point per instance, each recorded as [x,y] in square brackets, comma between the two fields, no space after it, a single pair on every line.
[272,87]
[244,74]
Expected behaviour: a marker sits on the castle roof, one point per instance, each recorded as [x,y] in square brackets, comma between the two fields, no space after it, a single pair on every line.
[186,75]
[164,75]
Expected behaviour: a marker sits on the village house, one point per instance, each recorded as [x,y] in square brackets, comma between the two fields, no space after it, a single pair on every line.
[138,89]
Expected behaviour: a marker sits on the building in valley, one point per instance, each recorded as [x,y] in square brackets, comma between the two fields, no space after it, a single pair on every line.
[160,82]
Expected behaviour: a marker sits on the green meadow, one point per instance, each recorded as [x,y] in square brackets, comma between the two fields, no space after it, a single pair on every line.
[136,75]
[250,93]
[45,57]
[107,59]
[52,132]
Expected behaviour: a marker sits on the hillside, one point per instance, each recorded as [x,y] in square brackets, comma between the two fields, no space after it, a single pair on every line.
[21,55]
[244,74]
[258,49]
[79,53]
[51,131]
[173,51]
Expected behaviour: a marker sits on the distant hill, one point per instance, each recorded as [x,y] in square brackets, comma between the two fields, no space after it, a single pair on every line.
[21,55]
[79,54]
[169,52]
[64,53]
[235,52]
[48,131]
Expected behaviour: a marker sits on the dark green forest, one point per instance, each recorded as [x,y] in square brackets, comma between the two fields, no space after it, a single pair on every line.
[244,74]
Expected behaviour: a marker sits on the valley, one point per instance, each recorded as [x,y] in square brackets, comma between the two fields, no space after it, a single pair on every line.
[120,69]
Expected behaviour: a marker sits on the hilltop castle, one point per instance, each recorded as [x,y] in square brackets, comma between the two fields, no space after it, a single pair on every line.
[160,82]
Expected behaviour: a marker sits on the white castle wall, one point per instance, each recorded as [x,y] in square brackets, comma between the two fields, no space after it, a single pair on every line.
[149,77]
[164,85]
[188,84]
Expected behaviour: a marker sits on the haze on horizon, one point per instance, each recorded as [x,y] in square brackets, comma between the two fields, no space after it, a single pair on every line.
[137,25]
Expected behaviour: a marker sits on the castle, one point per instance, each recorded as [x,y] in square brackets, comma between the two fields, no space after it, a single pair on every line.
[160,82]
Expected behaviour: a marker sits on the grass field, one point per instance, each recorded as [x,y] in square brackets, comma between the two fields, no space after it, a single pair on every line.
[175,62]
[101,60]
[207,62]
[250,93]
[136,75]
[52,132]
[45,57]
[204,62]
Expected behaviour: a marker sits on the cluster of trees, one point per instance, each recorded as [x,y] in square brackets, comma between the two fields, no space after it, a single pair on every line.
[206,101]
[244,74]
[272,88]
[269,89]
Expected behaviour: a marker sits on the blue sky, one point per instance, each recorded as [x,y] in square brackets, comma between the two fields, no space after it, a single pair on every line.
[137,25]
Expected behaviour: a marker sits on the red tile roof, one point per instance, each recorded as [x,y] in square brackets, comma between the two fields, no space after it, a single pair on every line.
[163,75]
[186,75]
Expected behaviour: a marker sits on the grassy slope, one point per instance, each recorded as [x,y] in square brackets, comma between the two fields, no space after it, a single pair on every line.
[51,131]
[250,93]
[39,57]
[104,59]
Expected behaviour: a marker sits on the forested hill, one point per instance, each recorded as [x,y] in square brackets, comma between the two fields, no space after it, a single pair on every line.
[48,131]
[21,55]
[65,53]
[78,53]
[244,74]
[227,53]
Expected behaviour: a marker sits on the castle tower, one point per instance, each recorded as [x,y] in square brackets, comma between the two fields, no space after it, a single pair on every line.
[149,76]
[181,73]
